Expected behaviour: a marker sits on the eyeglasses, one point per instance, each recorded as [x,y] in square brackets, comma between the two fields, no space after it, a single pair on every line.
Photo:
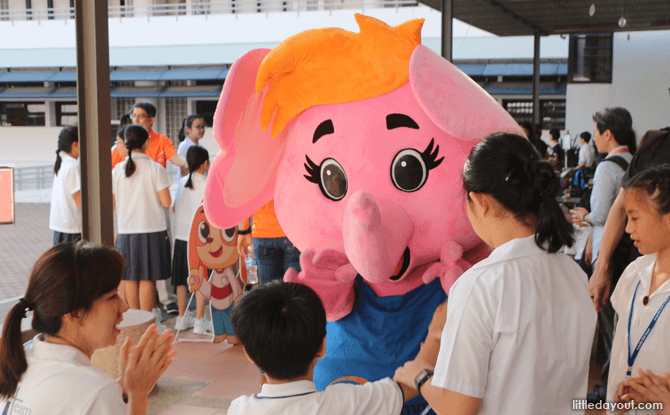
[200,127]
[138,116]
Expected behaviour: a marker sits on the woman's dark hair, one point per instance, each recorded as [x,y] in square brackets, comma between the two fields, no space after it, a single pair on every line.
[188,122]
[196,156]
[66,278]
[125,120]
[586,136]
[67,136]
[655,182]
[281,326]
[121,132]
[148,107]
[508,168]
[135,137]
[620,123]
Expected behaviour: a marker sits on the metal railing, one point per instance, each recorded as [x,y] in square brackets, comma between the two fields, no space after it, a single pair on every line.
[42,177]
[205,9]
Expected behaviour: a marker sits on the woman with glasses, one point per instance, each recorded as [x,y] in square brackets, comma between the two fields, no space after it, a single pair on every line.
[192,130]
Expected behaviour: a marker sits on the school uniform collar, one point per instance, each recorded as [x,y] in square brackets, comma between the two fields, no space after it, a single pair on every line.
[286,390]
[139,156]
[644,267]
[67,157]
[516,248]
[43,350]
[189,142]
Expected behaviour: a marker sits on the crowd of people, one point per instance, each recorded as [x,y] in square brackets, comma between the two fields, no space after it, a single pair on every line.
[514,337]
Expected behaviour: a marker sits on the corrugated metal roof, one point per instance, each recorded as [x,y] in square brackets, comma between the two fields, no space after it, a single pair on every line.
[191,74]
[28,76]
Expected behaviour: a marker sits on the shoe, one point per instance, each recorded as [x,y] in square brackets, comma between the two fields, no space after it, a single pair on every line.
[158,316]
[201,326]
[172,308]
[597,396]
[184,322]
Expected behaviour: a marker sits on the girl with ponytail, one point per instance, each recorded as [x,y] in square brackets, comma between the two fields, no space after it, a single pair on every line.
[141,191]
[72,293]
[189,196]
[192,130]
[520,323]
[65,214]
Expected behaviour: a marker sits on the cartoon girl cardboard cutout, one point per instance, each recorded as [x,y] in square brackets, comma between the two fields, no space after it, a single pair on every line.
[212,248]
[360,138]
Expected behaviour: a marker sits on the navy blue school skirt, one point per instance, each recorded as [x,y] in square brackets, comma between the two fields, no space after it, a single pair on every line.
[147,255]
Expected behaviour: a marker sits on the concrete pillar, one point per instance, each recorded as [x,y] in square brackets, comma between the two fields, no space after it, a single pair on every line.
[447,28]
[537,111]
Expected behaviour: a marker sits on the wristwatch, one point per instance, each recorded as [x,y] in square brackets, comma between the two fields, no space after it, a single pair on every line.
[421,378]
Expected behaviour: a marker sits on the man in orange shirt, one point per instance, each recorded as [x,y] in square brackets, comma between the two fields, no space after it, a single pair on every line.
[160,147]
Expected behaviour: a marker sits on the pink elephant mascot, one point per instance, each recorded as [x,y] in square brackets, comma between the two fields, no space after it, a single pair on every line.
[360,138]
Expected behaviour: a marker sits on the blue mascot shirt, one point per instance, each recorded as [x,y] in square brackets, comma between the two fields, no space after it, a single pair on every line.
[378,336]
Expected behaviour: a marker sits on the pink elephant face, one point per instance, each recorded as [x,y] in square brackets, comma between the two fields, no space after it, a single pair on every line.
[388,147]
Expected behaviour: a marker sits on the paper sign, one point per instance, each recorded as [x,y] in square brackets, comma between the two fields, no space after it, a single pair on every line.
[6,195]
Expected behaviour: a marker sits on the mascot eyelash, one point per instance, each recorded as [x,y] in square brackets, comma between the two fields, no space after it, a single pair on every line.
[429,157]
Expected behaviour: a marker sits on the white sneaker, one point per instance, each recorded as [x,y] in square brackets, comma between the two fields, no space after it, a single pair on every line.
[184,322]
[201,326]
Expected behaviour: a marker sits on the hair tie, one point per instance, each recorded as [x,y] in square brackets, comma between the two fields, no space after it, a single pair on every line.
[57,151]
[26,306]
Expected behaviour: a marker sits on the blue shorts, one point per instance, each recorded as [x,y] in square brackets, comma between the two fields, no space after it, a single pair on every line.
[221,321]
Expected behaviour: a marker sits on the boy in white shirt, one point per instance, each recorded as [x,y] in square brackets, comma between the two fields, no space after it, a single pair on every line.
[282,327]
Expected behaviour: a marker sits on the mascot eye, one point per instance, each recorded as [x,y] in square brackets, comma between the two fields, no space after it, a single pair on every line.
[330,177]
[409,170]
[203,232]
[228,234]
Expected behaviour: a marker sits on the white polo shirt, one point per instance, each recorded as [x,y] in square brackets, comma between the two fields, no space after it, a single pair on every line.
[519,332]
[654,353]
[383,397]
[184,146]
[138,207]
[64,216]
[61,380]
[186,202]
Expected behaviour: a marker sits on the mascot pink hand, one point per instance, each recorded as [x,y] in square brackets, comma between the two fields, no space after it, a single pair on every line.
[331,276]
[450,267]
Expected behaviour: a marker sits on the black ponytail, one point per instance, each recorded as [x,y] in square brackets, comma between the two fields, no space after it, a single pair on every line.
[188,122]
[620,123]
[135,136]
[196,156]
[508,168]
[66,278]
[67,136]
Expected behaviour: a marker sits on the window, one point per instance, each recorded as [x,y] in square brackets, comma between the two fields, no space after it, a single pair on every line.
[50,9]
[19,114]
[590,58]
[121,106]
[206,109]
[29,11]
[552,112]
[4,9]
[175,112]
[67,113]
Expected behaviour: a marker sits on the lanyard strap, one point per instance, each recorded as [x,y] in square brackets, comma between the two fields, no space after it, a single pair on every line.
[631,358]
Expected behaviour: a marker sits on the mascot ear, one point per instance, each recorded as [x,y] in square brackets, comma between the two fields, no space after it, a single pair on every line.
[242,177]
[453,101]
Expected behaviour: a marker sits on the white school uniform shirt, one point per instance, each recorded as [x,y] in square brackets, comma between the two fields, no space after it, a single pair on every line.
[587,155]
[64,216]
[60,380]
[383,397]
[186,202]
[519,332]
[138,207]
[184,146]
[655,351]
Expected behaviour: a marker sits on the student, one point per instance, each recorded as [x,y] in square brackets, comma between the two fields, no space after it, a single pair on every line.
[160,147]
[192,130]
[76,309]
[65,214]
[520,323]
[141,191]
[189,196]
[557,156]
[119,151]
[642,294]
[587,154]
[282,327]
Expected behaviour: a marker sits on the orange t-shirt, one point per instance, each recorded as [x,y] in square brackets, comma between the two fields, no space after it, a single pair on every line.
[116,157]
[265,224]
[160,148]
